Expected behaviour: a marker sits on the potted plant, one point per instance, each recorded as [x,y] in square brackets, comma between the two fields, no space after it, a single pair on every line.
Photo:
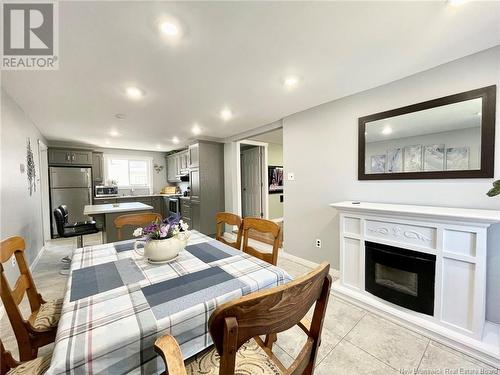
[163,240]
[495,190]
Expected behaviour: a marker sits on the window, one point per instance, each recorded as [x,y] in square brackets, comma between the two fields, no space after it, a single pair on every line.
[127,171]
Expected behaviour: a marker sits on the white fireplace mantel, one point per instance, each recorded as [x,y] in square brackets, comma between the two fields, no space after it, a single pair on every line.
[458,239]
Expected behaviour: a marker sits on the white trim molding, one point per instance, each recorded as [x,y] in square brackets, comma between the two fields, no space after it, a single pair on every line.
[264,191]
[458,240]
[37,259]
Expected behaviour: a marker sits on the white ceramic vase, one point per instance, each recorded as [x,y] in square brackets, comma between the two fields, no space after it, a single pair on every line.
[164,250]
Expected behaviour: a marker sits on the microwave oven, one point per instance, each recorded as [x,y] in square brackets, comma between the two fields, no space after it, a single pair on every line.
[106,191]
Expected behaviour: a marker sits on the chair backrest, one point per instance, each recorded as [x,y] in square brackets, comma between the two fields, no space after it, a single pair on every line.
[263,226]
[272,311]
[11,298]
[59,217]
[65,212]
[223,218]
[134,219]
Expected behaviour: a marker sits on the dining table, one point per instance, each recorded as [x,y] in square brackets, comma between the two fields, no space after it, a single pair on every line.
[117,303]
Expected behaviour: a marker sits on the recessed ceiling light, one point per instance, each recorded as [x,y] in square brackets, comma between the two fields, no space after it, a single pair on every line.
[134,92]
[291,81]
[387,130]
[175,140]
[169,28]
[158,147]
[226,114]
[196,129]
[114,133]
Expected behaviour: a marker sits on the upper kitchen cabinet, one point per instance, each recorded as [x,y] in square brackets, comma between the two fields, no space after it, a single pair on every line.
[70,157]
[183,158]
[194,155]
[97,167]
[177,164]
[81,157]
[172,170]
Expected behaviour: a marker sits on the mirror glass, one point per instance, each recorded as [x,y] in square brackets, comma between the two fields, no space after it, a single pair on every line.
[444,138]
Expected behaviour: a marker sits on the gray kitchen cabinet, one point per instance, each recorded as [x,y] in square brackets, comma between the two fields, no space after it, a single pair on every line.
[70,157]
[177,164]
[157,203]
[194,184]
[97,167]
[104,201]
[59,157]
[172,168]
[194,155]
[206,184]
[144,200]
[186,211]
[183,163]
[196,217]
[185,208]
[81,157]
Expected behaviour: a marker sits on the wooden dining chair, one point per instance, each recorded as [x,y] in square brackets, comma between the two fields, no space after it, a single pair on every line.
[135,220]
[241,322]
[227,218]
[262,226]
[41,326]
[9,366]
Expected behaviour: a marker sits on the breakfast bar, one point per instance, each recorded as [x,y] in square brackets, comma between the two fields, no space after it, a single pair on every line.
[105,214]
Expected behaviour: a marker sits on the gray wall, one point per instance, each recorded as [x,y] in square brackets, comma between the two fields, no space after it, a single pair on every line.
[20,212]
[320,146]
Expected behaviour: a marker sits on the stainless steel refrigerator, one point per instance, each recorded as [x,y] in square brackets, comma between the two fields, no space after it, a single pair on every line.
[73,187]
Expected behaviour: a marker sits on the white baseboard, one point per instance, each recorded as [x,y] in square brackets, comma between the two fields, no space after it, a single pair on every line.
[37,259]
[304,262]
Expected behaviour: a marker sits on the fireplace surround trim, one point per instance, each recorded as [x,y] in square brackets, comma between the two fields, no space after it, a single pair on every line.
[458,239]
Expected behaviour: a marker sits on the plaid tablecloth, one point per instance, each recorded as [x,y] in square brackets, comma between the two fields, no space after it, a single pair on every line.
[117,303]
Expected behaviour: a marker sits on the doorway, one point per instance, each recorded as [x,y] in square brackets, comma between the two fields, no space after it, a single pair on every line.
[251,180]
[43,162]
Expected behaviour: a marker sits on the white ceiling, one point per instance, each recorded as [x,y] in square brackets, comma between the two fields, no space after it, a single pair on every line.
[233,54]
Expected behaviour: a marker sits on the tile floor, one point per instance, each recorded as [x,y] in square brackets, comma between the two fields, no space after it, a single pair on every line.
[354,341]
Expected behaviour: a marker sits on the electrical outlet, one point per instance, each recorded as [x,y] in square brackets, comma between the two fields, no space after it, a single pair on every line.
[13,260]
[318,242]
[291,176]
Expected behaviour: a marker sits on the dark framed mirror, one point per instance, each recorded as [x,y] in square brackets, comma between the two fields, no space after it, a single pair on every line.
[449,137]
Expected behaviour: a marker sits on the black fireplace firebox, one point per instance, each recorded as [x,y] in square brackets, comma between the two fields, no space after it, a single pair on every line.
[403,277]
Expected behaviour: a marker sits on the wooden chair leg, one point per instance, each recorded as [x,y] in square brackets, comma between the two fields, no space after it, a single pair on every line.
[228,357]
[270,340]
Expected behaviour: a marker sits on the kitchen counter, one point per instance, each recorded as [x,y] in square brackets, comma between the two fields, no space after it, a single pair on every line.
[138,196]
[95,209]
[105,215]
